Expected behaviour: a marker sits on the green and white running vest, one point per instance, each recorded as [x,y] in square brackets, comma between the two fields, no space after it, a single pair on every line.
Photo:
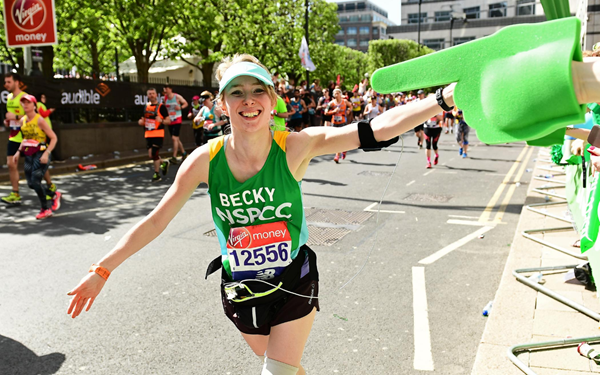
[260,223]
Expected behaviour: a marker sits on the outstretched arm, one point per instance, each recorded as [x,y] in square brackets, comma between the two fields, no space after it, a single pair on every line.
[191,173]
[321,141]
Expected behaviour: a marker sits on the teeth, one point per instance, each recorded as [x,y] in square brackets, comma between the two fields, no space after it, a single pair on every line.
[250,114]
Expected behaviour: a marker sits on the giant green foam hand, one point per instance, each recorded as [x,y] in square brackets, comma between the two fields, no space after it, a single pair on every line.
[513,85]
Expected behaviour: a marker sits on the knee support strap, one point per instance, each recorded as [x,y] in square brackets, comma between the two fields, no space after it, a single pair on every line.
[367,138]
[155,155]
[273,367]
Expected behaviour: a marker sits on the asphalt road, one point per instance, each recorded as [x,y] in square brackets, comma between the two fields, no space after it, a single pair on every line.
[157,314]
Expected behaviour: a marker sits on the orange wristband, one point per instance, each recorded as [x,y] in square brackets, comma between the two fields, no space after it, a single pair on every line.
[101,271]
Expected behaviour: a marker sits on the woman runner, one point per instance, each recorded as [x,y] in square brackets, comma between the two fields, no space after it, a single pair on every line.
[35,132]
[433,131]
[254,176]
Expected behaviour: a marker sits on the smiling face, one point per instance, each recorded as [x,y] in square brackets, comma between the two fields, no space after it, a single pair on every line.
[247,103]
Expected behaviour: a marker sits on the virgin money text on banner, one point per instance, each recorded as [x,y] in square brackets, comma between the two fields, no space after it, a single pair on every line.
[29,23]
[305,56]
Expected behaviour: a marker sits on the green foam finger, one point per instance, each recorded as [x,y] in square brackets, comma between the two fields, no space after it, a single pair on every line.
[514,85]
[555,9]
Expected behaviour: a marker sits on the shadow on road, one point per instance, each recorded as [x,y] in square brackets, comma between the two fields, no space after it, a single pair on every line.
[16,358]
[92,203]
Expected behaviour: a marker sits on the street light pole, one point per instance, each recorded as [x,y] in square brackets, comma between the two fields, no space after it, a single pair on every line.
[307,44]
[451,24]
[419,27]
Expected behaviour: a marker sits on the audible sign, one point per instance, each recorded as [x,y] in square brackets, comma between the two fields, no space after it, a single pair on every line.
[29,23]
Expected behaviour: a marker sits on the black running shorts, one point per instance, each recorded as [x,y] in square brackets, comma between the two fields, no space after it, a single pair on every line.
[12,148]
[419,128]
[154,142]
[174,130]
[294,308]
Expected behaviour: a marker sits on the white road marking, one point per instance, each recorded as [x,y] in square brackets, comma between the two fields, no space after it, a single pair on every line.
[453,246]
[430,172]
[467,222]
[370,209]
[423,359]
[464,217]
[410,183]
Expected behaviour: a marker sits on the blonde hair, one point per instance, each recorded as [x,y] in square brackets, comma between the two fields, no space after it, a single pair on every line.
[207,94]
[237,58]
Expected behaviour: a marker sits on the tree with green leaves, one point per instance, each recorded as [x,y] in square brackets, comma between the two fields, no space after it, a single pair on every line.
[143,26]
[386,52]
[200,33]
[87,38]
[271,31]
[347,62]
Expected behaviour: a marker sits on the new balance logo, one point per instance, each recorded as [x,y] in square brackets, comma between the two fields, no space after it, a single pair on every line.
[265,274]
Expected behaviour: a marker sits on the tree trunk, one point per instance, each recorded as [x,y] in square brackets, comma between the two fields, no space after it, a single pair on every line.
[48,61]
[95,59]
[207,71]
[142,65]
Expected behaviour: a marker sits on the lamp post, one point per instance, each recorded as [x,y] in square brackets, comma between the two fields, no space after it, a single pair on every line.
[419,28]
[453,17]
[306,34]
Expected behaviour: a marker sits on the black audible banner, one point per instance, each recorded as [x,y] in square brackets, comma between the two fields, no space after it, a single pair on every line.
[81,93]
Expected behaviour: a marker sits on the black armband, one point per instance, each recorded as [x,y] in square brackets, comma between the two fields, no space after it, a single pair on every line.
[367,138]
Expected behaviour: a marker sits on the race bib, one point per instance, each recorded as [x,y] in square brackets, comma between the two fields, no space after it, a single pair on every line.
[150,124]
[14,125]
[259,251]
[30,143]
[337,118]
[173,115]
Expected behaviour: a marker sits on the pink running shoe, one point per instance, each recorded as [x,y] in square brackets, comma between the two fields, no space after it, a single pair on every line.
[44,214]
[337,159]
[435,160]
[428,164]
[343,155]
[56,201]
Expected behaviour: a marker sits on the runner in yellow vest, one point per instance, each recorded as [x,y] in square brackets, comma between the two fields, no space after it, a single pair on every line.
[14,113]
[36,150]
[269,276]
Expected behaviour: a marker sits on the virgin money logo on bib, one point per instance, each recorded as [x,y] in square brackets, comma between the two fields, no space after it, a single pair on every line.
[28,15]
[240,238]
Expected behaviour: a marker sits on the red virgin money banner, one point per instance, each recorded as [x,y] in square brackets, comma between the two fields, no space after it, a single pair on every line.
[29,23]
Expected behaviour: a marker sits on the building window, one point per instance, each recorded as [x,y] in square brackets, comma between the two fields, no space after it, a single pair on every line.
[525,7]
[351,42]
[472,13]
[435,44]
[351,31]
[339,42]
[353,18]
[414,17]
[363,43]
[341,32]
[350,7]
[383,31]
[462,40]
[360,6]
[497,10]
[364,30]
[376,31]
[442,16]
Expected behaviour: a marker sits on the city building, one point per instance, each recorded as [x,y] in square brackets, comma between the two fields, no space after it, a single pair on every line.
[360,22]
[449,23]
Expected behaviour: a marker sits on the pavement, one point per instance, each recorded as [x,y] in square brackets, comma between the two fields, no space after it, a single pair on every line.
[521,315]
[401,290]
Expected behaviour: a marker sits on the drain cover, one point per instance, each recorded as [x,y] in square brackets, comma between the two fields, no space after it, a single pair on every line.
[341,217]
[211,233]
[318,236]
[428,198]
[375,173]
